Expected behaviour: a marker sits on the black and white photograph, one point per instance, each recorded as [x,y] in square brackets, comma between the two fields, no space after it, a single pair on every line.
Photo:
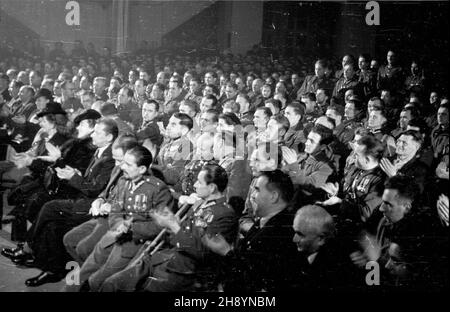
[224,152]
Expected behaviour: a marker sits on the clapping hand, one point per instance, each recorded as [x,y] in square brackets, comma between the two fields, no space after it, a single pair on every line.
[216,243]
[124,227]
[167,219]
[442,207]
[19,119]
[388,167]
[95,207]
[191,199]
[289,155]
[442,171]
[66,173]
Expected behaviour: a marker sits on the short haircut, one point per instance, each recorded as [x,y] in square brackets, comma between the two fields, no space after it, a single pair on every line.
[212,98]
[125,142]
[30,89]
[275,103]
[231,85]
[373,146]
[279,182]
[17,83]
[118,79]
[108,109]
[110,127]
[416,136]
[144,82]
[325,133]
[317,218]
[337,108]
[185,120]
[298,107]
[153,102]
[230,119]
[142,156]
[310,95]
[102,79]
[413,111]
[406,186]
[160,86]
[214,113]
[322,62]
[282,121]
[128,91]
[214,88]
[266,110]
[191,104]
[217,175]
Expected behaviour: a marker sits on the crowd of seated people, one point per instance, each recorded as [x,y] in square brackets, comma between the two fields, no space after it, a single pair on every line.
[174,173]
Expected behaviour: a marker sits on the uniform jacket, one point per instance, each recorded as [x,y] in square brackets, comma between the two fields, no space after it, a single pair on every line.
[362,191]
[239,177]
[172,158]
[136,200]
[440,141]
[189,260]
[312,83]
[294,138]
[149,130]
[342,85]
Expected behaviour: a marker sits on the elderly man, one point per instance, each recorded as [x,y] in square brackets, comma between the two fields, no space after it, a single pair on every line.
[322,262]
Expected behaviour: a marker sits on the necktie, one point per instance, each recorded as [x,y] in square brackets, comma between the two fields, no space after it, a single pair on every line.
[94,159]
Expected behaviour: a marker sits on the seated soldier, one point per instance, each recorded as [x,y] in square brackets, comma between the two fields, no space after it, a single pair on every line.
[363,183]
[311,169]
[185,260]
[135,197]
[176,151]
[407,159]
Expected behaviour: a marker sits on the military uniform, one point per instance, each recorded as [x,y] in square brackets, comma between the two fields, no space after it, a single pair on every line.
[368,79]
[312,83]
[294,138]
[190,175]
[239,177]
[440,142]
[186,260]
[391,78]
[346,133]
[362,191]
[132,200]
[343,84]
[150,130]
[197,98]
[172,158]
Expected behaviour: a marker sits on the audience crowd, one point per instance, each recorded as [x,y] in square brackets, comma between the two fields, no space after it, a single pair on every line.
[223,172]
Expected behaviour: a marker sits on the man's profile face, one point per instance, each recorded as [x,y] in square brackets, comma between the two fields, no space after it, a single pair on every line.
[131,171]
[393,207]
[306,237]
[99,137]
[174,128]
[312,143]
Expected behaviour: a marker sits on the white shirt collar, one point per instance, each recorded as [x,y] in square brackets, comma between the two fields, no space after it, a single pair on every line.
[312,257]
[101,150]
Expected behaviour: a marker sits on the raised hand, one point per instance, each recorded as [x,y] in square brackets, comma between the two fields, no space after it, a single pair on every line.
[289,155]
[54,153]
[216,243]
[388,167]
[442,207]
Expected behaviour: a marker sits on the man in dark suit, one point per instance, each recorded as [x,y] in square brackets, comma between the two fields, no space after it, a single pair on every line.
[322,262]
[265,258]
[81,240]
[57,217]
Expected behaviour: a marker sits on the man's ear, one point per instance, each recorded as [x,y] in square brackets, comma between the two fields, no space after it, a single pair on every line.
[184,130]
[143,169]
